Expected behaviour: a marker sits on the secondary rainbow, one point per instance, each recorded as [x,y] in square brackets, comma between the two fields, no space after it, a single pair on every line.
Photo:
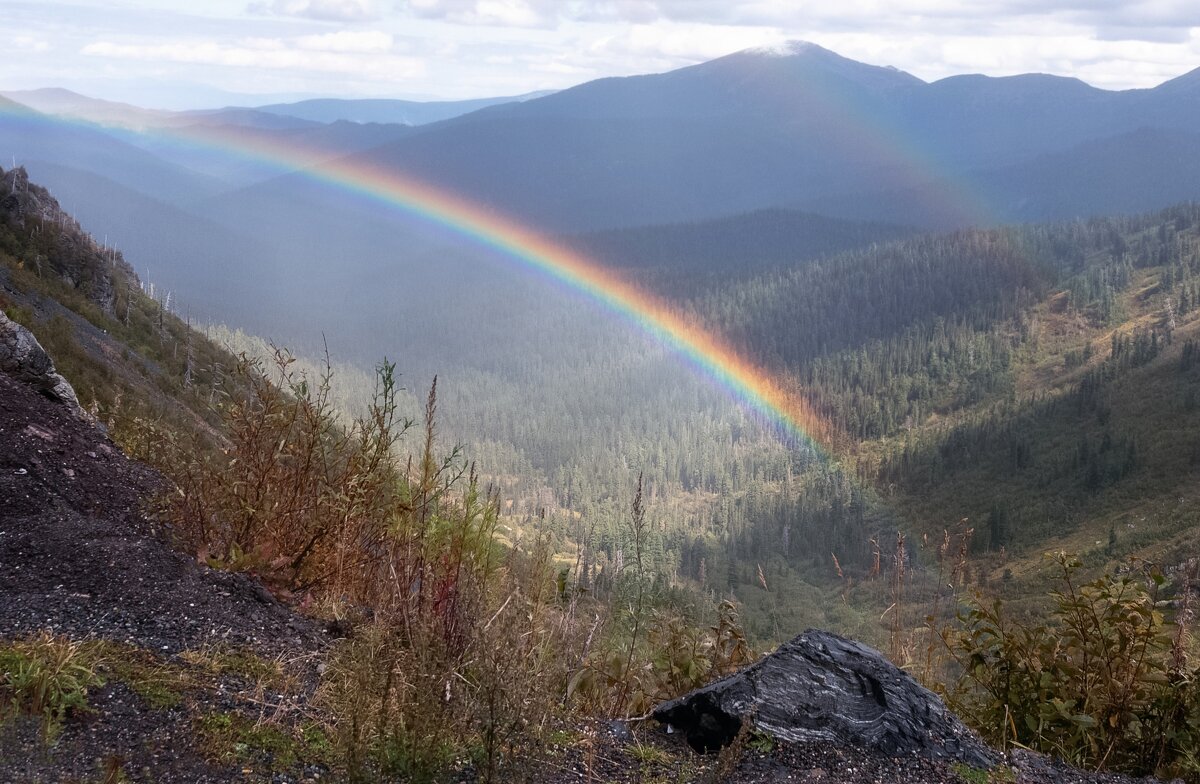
[781,403]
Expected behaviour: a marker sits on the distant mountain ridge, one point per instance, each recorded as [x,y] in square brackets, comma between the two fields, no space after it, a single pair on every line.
[61,102]
[736,244]
[758,129]
[300,114]
[387,110]
[65,103]
[796,128]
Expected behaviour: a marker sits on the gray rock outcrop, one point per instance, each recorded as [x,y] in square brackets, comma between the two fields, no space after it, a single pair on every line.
[23,358]
[822,687]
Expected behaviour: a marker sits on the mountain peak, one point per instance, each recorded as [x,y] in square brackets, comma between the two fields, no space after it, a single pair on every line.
[791,48]
[50,92]
[805,57]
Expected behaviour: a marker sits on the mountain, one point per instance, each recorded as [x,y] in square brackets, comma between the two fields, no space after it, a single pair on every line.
[779,84]
[248,118]
[386,110]
[733,135]
[32,138]
[1038,380]
[141,186]
[765,128]
[58,102]
[175,157]
[795,127]
[1185,87]
[209,145]
[65,103]
[173,248]
[1147,167]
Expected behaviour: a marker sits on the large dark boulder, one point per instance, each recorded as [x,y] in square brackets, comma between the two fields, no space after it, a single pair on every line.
[822,687]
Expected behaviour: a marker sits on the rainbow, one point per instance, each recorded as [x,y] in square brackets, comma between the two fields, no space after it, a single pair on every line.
[750,383]
[781,403]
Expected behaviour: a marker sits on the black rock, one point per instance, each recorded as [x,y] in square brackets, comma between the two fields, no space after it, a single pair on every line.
[820,686]
[620,731]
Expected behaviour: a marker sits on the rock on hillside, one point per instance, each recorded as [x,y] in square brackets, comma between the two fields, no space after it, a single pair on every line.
[23,358]
[822,687]
[79,559]
[836,710]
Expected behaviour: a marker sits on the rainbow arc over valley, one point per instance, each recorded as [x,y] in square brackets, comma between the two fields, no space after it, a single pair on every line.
[780,402]
[760,390]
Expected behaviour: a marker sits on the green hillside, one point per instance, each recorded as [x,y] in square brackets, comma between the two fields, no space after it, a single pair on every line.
[999,393]
[1040,382]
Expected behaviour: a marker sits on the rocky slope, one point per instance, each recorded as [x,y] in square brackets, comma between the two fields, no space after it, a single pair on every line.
[79,559]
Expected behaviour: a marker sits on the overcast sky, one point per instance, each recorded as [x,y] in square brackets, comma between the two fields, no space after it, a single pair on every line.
[181,53]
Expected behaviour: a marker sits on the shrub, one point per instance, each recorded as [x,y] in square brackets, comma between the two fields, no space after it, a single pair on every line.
[464,650]
[295,496]
[460,650]
[417,692]
[1106,684]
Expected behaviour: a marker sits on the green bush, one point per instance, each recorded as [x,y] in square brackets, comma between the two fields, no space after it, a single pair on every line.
[1106,684]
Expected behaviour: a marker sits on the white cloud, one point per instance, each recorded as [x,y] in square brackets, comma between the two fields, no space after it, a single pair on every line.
[588,38]
[495,13]
[311,54]
[28,43]
[322,10]
[876,13]
[347,41]
[470,48]
[1165,35]
[683,44]
[1154,20]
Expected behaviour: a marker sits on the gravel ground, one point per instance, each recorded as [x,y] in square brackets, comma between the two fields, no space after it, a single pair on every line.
[597,754]
[78,558]
[149,745]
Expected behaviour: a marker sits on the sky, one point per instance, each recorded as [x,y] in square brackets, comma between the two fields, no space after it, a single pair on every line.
[177,54]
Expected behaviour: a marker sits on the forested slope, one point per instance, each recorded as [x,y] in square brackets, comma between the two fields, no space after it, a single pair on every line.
[127,355]
[1039,381]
